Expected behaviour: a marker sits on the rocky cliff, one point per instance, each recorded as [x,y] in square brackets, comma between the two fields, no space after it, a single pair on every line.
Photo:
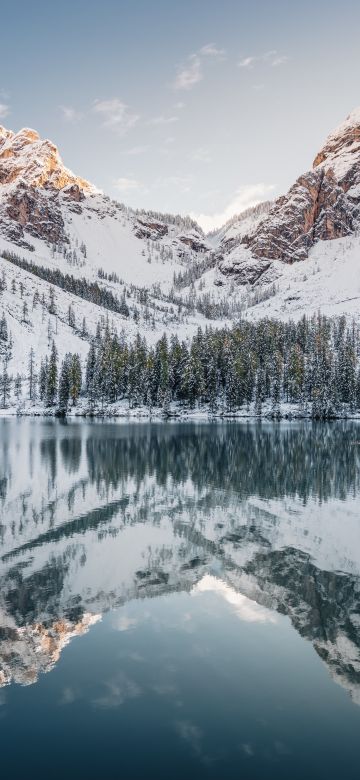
[39,197]
[323,204]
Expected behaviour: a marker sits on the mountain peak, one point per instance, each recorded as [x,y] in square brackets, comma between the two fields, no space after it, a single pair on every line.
[323,204]
[342,146]
[26,157]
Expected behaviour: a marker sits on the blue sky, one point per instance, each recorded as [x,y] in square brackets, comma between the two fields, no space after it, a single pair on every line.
[201,106]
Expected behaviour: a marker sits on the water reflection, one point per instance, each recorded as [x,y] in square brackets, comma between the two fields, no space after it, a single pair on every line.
[93,516]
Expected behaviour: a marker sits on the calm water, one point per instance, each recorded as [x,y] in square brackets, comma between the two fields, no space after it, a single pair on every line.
[179,601]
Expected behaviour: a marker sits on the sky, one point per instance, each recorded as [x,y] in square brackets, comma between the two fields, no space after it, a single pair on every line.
[200,106]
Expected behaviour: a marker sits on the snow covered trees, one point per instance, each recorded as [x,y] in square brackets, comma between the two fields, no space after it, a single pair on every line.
[75,378]
[58,388]
[5,387]
[88,290]
[314,363]
[52,377]
[31,375]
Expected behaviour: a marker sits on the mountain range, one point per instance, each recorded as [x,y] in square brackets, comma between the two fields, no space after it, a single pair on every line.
[285,258]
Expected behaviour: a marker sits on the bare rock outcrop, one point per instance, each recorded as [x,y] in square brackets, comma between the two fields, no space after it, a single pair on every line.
[323,204]
[32,177]
[24,155]
[39,215]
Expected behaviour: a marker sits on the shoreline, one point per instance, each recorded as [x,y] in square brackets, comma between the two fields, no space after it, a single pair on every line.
[287,412]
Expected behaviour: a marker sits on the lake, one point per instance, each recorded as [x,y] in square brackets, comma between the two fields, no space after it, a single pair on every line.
[179,600]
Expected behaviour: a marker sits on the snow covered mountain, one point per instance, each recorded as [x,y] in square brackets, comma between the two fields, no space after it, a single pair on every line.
[45,208]
[322,205]
[55,220]
[282,259]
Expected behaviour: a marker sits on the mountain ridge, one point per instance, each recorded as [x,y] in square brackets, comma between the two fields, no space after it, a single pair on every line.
[323,204]
[283,259]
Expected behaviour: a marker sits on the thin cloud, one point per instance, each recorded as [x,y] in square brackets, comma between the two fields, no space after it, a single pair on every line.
[245,197]
[117,691]
[272,58]
[191,734]
[181,183]
[124,623]
[162,120]
[70,114]
[210,50]
[134,151]
[279,61]
[189,74]
[126,185]
[247,62]
[269,55]
[4,110]
[201,155]
[115,115]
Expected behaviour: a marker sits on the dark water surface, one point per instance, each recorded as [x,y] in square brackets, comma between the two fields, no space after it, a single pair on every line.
[179,601]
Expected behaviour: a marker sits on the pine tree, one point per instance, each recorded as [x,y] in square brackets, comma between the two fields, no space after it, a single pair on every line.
[3,329]
[64,382]
[71,317]
[75,378]
[25,313]
[31,375]
[276,384]
[84,331]
[52,305]
[52,377]
[166,403]
[18,388]
[90,375]
[43,378]
[5,386]
[259,392]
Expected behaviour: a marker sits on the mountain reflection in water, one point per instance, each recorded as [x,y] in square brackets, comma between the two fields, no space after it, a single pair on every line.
[94,515]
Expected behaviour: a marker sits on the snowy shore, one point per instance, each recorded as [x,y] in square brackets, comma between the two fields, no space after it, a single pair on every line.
[122,411]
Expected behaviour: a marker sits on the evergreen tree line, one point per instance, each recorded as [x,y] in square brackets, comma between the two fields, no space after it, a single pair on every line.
[59,387]
[193,272]
[184,223]
[89,291]
[314,363]
[6,350]
[52,385]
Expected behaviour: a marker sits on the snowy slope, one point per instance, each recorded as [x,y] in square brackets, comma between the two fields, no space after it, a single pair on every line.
[174,277]
[39,327]
[322,205]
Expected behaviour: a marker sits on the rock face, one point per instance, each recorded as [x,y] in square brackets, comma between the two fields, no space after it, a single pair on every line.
[32,175]
[25,155]
[34,649]
[39,195]
[41,216]
[323,204]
